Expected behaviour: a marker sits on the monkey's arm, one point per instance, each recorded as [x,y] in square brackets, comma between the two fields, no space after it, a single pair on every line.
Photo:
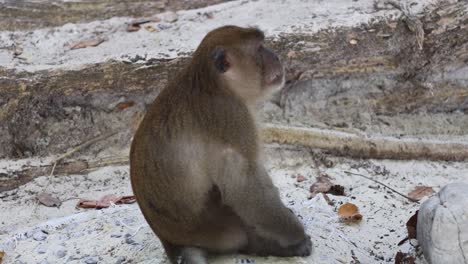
[250,192]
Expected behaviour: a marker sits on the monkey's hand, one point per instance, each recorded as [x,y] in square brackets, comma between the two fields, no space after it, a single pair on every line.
[303,248]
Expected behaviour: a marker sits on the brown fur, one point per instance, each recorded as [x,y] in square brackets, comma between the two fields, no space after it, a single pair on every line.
[194,160]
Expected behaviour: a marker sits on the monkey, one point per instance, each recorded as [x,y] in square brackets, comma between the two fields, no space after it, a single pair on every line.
[195,161]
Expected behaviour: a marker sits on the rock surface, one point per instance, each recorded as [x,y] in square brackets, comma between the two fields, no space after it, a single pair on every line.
[443,225]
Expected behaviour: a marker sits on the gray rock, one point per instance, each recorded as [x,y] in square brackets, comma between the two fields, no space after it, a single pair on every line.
[442,229]
[39,235]
[61,253]
[91,260]
[116,235]
[41,249]
[130,241]
[120,260]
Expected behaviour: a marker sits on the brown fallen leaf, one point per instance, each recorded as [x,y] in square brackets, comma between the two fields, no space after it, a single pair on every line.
[349,213]
[337,190]
[106,201]
[411,227]
[132,28]
[48,200]
[419,192]
[2,254]
[124,105]
[86,43]
[150,28]
[404,258]
[324,185]
[300,178]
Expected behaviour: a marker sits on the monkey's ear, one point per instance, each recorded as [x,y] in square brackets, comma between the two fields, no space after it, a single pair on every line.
[220,59]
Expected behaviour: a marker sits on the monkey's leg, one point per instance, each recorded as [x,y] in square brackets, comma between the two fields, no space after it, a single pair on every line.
[249,191]
[193,255]
[171,251]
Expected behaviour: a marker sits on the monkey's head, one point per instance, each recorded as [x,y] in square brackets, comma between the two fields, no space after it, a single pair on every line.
[238,58]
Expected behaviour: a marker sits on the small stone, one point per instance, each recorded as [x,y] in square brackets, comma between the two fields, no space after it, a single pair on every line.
[116,235]
[91,260]
[164,26]
[130,241]
[128,221]
[29,233]
[39,235]
[41,249]
[120,260]
[61,253]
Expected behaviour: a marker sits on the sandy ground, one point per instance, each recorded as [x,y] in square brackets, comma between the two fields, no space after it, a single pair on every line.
[48,48]
[32,233]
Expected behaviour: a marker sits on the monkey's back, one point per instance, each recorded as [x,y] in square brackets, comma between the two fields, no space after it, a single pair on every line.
[175,150]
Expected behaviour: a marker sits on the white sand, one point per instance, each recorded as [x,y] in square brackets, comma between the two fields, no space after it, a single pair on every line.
[46,48]
[85,234]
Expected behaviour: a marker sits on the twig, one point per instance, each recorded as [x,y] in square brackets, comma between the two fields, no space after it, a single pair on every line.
[327,199]
[79,147]
[86,144]
[383,184]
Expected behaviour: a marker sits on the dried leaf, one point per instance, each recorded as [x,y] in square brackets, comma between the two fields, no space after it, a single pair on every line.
[2,254]
[404,258]
[132,28]
[106,201]
[411,225]
[150,28]
[300,178]
[349,213]
[419,192]
[322,185]
[48,200]
[124,105]
[86,43]
[337,190]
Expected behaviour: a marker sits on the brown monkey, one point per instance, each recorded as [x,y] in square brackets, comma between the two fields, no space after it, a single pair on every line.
[194,161]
